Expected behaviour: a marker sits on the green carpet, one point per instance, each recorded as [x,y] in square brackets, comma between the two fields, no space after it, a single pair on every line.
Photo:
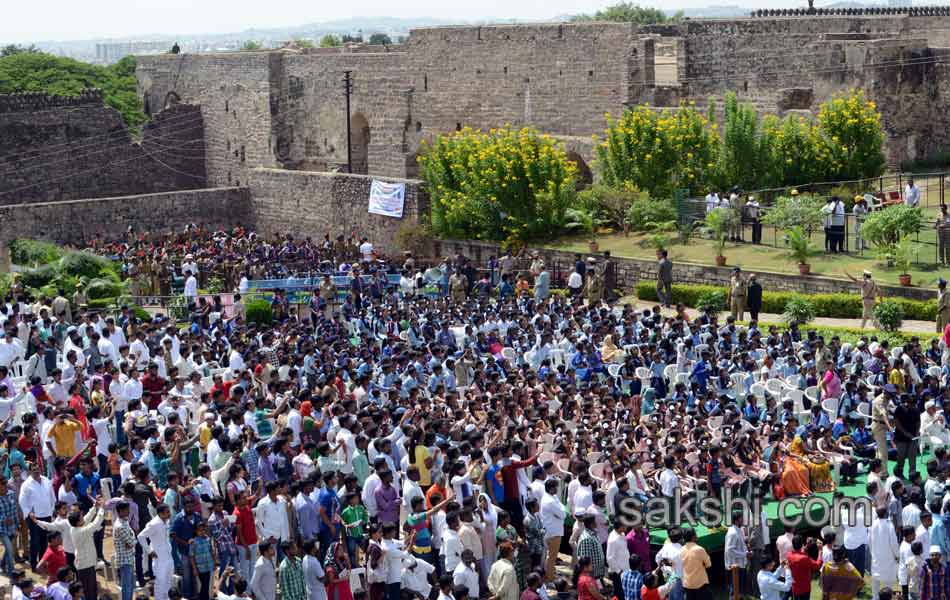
[714,539]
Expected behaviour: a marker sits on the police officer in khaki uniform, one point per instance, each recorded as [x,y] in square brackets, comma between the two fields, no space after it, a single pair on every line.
[943,305]
[738,291]
[881,423]
[328,295]
[457,286]
[870,294]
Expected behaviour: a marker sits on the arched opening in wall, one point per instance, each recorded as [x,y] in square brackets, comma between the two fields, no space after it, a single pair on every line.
[665,61]
[585,176]
[412,166]
[359,142]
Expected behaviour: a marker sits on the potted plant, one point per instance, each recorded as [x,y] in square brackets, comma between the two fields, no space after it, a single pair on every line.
[904,254]
[799,248]
[586,220]
[718,222]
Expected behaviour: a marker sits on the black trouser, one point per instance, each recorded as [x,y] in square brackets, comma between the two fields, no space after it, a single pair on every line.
[205,579]
[90,588]
[753,314]
[756,231]
[513,507]
[698,594]
[38,540]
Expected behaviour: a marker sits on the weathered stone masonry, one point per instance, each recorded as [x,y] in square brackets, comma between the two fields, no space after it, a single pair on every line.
[286,108]
[54,148]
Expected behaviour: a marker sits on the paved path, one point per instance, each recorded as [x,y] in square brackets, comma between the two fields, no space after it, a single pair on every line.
[919,327]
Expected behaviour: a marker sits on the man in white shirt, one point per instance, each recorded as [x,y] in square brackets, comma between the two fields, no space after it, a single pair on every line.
[465,575]
[140,350]
[366,250]
[552,517]
[885,553]
[191,290]
[669,480]
[856,536]
[451,549]
[271,516]
[264,581]
[736,554]
[11,349]
[911,194]
[37,500]
[393,556]
[154,538]
[371,484]
[618,555]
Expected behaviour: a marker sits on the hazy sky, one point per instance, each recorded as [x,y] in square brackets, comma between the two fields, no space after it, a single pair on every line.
[71,20]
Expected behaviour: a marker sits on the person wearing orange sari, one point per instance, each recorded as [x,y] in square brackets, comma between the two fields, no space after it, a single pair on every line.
[819,469]
[794,476]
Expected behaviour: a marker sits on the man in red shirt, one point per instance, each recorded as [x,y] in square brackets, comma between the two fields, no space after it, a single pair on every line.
[802,567]
[54,558]
[153,387]
[245,536]
[509,480]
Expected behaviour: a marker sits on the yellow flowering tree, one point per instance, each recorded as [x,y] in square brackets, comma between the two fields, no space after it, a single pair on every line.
[504,184]
[851,128]
[658,151]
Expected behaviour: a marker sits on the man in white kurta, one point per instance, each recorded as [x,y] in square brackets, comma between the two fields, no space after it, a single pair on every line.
[933,429]
[885,553]
[154,539]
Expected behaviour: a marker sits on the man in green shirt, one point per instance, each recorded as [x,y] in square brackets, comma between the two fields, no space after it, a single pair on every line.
[354,518]
[292,584]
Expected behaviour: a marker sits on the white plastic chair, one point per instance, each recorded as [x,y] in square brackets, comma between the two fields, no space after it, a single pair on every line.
[830,406]
[864,411]
[509,355]
[775,387]
[811,393]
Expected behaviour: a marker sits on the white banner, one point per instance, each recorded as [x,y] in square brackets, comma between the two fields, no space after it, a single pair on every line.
[387,199]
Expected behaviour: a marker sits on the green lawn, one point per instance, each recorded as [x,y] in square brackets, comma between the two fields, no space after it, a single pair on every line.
[765,257]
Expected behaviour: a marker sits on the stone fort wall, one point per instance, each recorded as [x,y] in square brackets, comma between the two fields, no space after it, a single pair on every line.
[56,148]
[79,221]
[285,109]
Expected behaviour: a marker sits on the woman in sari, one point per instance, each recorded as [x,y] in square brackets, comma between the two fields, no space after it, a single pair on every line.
[489,516]
[819,469]
[609,352]
[793,475]
[337,567]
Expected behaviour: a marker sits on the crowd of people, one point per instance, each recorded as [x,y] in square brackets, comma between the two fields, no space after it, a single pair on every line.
[469,443]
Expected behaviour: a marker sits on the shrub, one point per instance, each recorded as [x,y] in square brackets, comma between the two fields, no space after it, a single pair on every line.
[659,151]
[32,252]
[799,245]
[713,301]
[798,310]
[643,213]
[84,264]
[501,185]
[719,220]
[614,204]
[38,277]
[795,211]
[103,288]
[889,315]
[839,306]
[885,228]
[259,311]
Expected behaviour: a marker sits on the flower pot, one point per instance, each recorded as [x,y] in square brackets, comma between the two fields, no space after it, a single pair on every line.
[594,246]
[804,269]
[904,279]
[720,261]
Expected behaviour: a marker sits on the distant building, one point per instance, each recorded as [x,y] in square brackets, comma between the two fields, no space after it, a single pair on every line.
[111,52]
[899,3]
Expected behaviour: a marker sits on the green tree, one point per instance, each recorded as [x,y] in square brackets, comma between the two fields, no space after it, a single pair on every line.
[330,41]
[628,12]
[302,43]
[59,76]
[380,39]
[745,156]
[352,39]
[251,46]
[11,49]
[504,184]
[851,127]
[659,151]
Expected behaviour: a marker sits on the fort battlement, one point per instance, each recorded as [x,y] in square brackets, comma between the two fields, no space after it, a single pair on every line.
[28,101]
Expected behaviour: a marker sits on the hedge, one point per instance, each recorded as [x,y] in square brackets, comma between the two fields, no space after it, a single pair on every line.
[836,306]
[108,304]
[851,335]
